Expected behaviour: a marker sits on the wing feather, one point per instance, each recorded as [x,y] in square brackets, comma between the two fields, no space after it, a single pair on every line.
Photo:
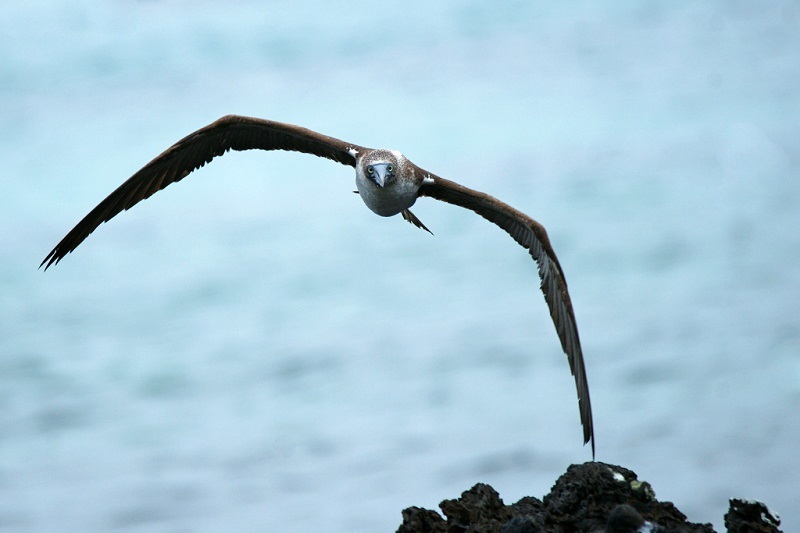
[194,151]
[532,236]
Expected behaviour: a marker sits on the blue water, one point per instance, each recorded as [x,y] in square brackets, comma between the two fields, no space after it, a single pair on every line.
[252,349]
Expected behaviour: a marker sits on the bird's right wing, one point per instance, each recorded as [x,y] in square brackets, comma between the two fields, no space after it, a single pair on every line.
[532,236]
[192,152]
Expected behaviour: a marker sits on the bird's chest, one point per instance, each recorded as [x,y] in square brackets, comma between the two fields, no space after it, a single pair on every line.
[389,200]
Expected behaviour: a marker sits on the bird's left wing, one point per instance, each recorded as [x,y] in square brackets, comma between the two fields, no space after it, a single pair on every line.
[192,152]
[532,236]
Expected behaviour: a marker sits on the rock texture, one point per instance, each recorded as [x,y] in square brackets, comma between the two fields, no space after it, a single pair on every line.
[592,497]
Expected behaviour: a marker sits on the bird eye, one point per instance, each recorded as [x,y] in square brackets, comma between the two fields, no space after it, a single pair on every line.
[370,170]
[390,168]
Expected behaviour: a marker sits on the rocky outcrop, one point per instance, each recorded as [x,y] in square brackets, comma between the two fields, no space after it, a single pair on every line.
[592,497]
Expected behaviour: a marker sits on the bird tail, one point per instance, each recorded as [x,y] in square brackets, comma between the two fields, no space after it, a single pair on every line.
[412,218]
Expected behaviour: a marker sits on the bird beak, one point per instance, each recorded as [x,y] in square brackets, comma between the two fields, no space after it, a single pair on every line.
[381,176]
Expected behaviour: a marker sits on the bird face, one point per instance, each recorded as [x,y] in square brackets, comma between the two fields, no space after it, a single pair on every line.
[381,173]
[380,168]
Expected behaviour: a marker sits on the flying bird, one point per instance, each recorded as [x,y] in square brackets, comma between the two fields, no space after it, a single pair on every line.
[387,182]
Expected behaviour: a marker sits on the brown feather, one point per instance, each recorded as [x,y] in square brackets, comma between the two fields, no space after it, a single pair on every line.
[412,218]
[532,236]
[192,152]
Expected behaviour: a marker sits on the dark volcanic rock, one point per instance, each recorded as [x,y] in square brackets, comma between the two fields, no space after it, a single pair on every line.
[421,520]
[479,505]
[584,497]
[750,516]
[593,497]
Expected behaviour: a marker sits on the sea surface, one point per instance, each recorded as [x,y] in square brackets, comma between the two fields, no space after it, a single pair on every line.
[253,350]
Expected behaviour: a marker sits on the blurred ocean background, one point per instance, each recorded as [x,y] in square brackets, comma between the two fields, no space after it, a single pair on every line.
[252,349]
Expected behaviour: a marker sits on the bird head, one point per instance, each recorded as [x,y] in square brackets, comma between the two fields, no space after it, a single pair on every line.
[380,167]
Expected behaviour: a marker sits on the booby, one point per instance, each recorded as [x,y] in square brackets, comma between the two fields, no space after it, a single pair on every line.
[387,182]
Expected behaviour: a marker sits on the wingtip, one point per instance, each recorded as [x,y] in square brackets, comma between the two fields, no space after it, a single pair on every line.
[52,259]
[588,432]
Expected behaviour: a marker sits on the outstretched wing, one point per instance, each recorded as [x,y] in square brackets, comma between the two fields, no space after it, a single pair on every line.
[192,152]
[531,236]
